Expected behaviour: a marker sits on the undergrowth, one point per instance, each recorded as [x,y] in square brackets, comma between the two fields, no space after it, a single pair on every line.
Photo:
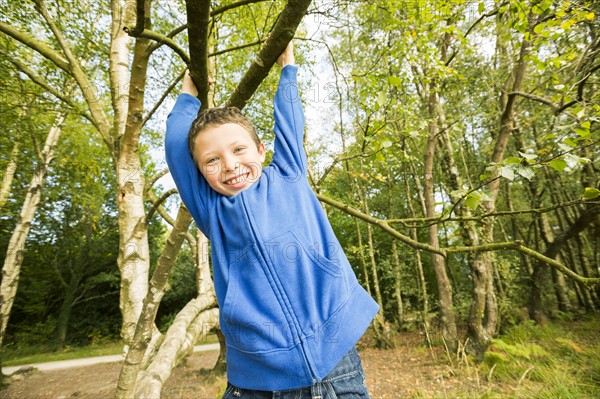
[559,360]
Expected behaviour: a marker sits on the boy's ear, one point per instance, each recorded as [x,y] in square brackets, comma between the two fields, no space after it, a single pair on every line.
[262,152]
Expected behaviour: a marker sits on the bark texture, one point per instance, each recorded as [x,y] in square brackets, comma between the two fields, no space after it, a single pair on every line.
[14,254]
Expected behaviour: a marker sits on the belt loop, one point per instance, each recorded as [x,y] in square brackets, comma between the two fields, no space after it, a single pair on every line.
[316,391]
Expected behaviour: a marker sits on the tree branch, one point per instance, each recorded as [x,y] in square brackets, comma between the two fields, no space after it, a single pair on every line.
[37,79]
[542,100]
[282,33]
[160,209]
[74,68]
[516,245]
[158,203]
[148,34]
[380,223]
[162,98]
[199,13]
[150,182]
[231,6]
[406,221]
[37,46]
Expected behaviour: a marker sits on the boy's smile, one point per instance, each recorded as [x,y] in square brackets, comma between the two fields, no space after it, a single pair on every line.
[228,158]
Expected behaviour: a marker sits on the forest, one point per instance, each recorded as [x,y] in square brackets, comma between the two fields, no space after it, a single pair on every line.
[452,143]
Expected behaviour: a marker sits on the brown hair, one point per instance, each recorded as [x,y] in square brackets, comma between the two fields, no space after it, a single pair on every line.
[216,117]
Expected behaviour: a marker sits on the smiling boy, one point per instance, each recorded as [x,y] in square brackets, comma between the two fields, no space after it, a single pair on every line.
[291,308]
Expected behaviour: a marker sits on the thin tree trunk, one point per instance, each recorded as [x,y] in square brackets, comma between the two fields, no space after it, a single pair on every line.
[398,284]
[448,317]
[382,327]
[9,174]
[14,254]
[64,315]
[587,269]
[421,282]
[587,217]
[363,261]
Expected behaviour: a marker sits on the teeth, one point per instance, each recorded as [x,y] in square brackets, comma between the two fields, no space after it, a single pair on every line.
[235,180]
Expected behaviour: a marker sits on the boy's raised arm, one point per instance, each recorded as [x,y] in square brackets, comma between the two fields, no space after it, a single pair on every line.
[289,153]
[192,187]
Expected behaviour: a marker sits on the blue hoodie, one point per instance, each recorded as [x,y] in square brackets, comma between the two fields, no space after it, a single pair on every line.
[290,304]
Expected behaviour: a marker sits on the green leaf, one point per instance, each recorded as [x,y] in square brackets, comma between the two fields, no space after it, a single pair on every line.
[558,164]
[590,193]
[539,28]
[472,201]
[529,157]
[583,133]
[565,147]
[507,172]
[525,171]
[394,80]
[381,98]
[386,143]
[511,160]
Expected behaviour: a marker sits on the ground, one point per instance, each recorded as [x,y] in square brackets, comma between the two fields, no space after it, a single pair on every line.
[411,370]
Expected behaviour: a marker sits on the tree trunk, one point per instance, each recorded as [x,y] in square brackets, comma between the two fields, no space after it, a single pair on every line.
[144,326]
[421,282]
[64,315]
[191,325]
[449,331]
[14,254]
[398,284]
[587,217]
[382,328]
[133,259]
[483,316]
[363,261]
[9,174]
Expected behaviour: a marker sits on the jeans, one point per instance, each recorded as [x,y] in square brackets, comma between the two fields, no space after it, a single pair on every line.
[345,381]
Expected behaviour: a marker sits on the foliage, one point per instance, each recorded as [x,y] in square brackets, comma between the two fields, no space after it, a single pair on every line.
[552,361]
[384,58]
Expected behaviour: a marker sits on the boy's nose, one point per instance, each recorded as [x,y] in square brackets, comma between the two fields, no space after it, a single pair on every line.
[229,164]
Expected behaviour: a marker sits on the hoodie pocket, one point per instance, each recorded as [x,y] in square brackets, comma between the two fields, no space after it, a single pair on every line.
[252,317]
[315,286]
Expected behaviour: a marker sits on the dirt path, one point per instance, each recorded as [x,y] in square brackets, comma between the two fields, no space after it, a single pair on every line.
[88,361]
[409,371]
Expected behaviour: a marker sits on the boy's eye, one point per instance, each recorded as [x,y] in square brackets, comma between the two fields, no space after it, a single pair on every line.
[239,149]
[212,160]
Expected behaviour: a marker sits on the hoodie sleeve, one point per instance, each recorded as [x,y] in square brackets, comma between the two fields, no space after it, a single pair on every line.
[193,188]
[289,155]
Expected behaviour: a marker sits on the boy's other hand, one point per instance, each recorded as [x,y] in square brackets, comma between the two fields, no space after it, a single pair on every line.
[188,84]
[287,57]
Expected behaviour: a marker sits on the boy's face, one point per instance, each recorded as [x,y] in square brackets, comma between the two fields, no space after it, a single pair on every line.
[228,158]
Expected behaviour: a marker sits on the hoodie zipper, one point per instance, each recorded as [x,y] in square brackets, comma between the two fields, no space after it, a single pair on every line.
[283,299]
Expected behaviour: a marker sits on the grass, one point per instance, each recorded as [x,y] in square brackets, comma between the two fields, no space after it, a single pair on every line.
[558,360]
[42,354]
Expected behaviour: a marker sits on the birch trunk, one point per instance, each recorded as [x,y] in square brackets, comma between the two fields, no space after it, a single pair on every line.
[133,259]
[14,254]
[193,323]
[9,174]
[144,326]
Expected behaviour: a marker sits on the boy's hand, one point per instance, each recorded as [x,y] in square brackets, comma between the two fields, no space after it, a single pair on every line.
[287,57]
[188,84]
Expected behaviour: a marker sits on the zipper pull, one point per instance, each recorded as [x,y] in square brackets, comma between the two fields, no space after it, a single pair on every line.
[237,393]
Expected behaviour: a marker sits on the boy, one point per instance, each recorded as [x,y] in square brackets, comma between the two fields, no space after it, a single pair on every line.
[291,308]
